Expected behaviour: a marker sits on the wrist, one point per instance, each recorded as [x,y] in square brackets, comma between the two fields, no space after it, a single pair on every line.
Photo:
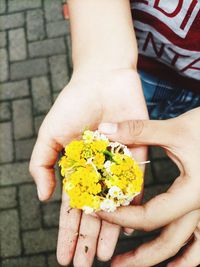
[102,41]
[101,63]
[102,73]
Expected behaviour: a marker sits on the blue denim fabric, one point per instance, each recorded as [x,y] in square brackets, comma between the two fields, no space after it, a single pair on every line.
[164,100]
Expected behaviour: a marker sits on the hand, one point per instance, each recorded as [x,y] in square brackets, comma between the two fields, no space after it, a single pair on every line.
[179,208]
[87,100]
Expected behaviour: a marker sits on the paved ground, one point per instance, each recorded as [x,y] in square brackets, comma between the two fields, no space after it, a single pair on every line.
[35,65]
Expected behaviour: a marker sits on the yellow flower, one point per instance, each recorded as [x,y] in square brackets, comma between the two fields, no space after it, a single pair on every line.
[87,153]
[95,178]
[88,136]
[99,160]
[99,145]
[74,149]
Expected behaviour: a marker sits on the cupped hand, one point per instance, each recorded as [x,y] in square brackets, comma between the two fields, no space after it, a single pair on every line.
[86,101]
[178,210]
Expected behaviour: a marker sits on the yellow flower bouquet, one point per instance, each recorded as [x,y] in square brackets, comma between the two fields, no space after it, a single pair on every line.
[99,174]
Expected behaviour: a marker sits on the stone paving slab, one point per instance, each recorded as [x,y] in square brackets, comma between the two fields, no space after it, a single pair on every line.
[41,95]
[14,90]
[5,111]
[15,5]
[31,261]
[22,112]
[14,173]
[10,231]
[35,25]
[11,21]
[6,151]
[28,202]
[8,197]
[36,63]
[3,40]
[4,65]
[17,44]
[28,69]
[39,240]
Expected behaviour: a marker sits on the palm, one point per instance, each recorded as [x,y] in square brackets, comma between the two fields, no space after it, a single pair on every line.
[112,97]
[86,103]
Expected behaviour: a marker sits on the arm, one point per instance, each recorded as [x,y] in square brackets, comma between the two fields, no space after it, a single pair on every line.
[102,35]
[104,87]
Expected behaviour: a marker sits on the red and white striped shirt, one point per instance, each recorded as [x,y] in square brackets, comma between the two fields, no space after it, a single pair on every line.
[168,34]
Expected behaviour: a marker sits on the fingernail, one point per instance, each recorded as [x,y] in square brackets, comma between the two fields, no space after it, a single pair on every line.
[108,128]
[127,234]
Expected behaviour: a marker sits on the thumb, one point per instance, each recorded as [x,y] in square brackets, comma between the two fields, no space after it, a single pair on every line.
[140,132]
[41,167]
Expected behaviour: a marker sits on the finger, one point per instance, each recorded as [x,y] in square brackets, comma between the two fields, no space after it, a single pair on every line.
[163,247]
[159,211]
[41,167]
[87,241]
[107,240]
[140,155]
[190,256]
[68,231]
[140,132]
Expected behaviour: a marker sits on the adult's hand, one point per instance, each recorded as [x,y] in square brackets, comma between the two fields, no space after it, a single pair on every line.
[178,210]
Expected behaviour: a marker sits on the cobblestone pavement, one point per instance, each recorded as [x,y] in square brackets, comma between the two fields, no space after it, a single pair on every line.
[35,65]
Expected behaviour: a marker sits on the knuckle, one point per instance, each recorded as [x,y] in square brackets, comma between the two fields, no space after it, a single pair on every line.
[135,127]
[149,224]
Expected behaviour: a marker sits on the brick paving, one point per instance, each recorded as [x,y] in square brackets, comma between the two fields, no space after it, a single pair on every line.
[35,49]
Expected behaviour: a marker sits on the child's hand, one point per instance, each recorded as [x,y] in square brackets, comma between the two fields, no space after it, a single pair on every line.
[179,208]
[86,101]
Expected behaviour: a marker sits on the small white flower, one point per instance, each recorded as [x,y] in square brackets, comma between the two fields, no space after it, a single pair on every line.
[115,144]
[87,209]
[107,165]
[96,135]
[88,136]
[115,192]
[119,146]
[99,136]
[108,205]
[127,151]
[128,199]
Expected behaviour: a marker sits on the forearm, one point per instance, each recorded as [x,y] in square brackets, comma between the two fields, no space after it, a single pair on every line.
[102,34]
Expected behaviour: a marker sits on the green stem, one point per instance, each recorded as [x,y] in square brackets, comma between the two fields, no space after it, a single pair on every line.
[108,153]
